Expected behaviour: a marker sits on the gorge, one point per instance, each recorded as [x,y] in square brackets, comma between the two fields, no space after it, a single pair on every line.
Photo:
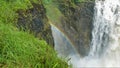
[59,33]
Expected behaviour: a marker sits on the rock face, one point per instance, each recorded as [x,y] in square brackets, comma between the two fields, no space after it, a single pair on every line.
[74,19]
[35,21]
[77,25]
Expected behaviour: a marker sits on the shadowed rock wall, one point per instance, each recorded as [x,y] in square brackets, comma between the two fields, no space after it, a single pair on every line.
[35,21]
[77,23]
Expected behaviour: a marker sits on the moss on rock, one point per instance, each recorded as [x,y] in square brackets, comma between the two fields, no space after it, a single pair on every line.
[75,20]
[35,21]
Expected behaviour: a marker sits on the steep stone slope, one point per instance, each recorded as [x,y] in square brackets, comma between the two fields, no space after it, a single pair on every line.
[75,21]
[35,21]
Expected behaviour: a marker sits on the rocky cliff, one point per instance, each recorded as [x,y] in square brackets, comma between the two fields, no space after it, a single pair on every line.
[35,21]
[73,17]
[75,21]
[78,26]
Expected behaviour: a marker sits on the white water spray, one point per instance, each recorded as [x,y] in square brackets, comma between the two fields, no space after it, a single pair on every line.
[63,46]
[106,26]
[105,44]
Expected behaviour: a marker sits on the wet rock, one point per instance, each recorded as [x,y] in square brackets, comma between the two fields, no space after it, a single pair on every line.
[77,25]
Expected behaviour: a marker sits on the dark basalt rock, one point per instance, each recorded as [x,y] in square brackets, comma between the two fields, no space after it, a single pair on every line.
[35,21]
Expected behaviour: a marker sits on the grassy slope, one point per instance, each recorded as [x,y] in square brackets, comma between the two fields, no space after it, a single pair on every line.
[19,49]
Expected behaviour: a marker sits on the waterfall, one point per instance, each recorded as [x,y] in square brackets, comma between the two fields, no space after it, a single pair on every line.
[106,26]
[63,46]
[105,43]
[105,49]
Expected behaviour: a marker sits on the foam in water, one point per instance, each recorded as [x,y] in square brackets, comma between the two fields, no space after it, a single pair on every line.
[105,43]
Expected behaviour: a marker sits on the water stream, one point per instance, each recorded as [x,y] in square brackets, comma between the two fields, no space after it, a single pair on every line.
[105,43]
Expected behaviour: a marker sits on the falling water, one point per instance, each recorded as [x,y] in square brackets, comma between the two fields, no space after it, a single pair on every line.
[106,26]
[63,46]
[105,43]
[105,49]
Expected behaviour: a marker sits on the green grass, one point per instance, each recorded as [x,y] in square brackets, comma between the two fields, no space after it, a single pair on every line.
[53,13]
[8,9]
[21,50]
